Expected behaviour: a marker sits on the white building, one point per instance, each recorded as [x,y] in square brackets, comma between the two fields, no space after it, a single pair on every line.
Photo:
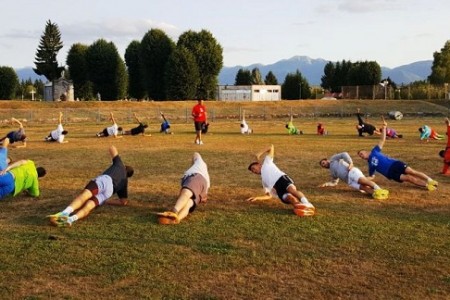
[63,90]
[249,92]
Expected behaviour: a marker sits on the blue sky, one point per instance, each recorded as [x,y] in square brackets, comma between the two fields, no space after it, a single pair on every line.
[393,33]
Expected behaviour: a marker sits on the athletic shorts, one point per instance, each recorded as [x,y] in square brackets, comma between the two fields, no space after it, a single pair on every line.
[101,189]
[105,132]
[198,126]
[282,185]
[396,170]
[353,176]
[197,184]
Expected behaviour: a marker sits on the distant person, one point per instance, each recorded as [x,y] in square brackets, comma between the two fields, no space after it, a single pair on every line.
[97,192]
[364,127]
[16,136]
[200,120]
[58,134]
[165,125]
[427,133]
[244,126]
[291,128]
[341,168]
[277,184]
[390,132]
[394,169]
[140,129]
[445,154]
[21,176]
[112,130]
[321,129]
[194,190]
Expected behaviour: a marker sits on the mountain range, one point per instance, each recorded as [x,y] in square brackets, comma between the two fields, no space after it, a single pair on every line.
[311,69]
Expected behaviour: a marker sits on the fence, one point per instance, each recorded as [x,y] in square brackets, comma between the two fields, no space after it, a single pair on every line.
[423,91]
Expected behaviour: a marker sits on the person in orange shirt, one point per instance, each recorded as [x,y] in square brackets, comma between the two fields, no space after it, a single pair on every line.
[200,120]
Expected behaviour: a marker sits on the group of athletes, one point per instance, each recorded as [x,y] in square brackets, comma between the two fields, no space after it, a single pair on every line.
[22,176]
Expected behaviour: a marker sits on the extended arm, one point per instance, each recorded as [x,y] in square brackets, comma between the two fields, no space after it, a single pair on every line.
[267,196]
[382,136]
[113,151]
[111,117]
[14,165]
[269,151]
[117,202]
[60,117]
[14,120]
[136,118]
[333,182]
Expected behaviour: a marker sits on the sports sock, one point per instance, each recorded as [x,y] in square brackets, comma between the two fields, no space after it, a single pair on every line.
[376,187]
[72,219]
[68,210]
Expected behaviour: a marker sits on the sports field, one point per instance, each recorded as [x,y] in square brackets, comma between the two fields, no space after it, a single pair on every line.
[353,248]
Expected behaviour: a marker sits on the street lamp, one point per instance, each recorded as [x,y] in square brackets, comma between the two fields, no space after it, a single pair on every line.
[300,91]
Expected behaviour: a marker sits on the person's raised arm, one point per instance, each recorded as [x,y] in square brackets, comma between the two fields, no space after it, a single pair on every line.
[382,136]
[14,120]
[111,117]
[269,151]
[136,118]
[60,117]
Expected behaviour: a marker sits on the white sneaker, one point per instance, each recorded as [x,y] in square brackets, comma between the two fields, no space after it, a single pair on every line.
[200,143]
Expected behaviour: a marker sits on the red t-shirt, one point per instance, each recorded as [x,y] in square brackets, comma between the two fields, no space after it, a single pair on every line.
[199,113]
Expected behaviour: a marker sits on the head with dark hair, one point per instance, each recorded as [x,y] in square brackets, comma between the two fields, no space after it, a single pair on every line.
[64,132]
[130,171]
[41,171]
[119,128]
[442,153]
[23,137]
[420,129]
[255,167]
[324,163]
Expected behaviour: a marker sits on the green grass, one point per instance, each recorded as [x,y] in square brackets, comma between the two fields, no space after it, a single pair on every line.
[228,248]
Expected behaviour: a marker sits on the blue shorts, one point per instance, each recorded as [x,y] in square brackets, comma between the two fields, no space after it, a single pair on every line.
[396,170]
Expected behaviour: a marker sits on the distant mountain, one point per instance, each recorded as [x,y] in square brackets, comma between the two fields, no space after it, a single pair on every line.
[27,73]
[312,70]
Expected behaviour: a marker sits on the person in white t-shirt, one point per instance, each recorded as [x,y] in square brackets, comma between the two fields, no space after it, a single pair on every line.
[195,184]
[277,184]
[112,130]
[244,126]
[58,134]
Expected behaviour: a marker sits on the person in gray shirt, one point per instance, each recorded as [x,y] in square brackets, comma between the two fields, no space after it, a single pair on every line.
[341,167]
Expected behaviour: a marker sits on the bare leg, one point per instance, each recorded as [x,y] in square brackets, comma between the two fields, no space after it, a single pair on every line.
[415,177]
[184,203]
[81,199]
[86,209]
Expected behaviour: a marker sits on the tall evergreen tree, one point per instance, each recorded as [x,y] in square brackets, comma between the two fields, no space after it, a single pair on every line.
[295,86]
[155,50]
[106,70]
[243,77]
[271,79]
[8,83]
[182,75]
[136,87]
[440,70]
[209,57]
[45,59]
[78,71]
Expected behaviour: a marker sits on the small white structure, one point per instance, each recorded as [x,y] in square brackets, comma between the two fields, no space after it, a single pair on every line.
[63,90]
[249,93]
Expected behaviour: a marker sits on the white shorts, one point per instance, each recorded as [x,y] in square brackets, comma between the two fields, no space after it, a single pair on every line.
[353,176]
[105,188]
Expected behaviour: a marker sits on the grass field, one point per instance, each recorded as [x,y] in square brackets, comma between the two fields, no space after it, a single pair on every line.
[354,248]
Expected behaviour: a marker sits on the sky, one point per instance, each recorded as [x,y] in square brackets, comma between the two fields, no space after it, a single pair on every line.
[390,32]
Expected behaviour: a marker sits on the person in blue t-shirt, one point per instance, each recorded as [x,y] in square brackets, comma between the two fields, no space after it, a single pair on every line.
[394,169]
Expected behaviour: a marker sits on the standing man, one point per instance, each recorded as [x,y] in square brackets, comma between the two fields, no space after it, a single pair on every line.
[194,190]
[58,134]
[276,183]
[341,167]
[445,154]
[394,169]
[97,192]
[200,119]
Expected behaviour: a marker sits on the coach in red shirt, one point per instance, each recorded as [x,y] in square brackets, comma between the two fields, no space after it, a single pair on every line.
[200,118]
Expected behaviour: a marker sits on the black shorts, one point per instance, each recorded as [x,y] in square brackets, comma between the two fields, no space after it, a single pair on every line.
[93,187]
[198,126]
[105,132]
[396,170]
[281,186]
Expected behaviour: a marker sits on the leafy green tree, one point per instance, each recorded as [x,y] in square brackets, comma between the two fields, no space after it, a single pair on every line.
[243,77]
[106,70]
[49,46]
[257,77]
[8,83]
[440,70]
[136,87]
[364,73]
[182,75]
[295,86]
[155,49]
[271,79]
[78,70]
[209,57]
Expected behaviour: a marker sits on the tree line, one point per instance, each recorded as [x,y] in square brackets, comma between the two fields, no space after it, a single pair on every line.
[158,68]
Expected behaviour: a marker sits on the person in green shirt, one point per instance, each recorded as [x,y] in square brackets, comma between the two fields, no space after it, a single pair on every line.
[291,128]
[21,176]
